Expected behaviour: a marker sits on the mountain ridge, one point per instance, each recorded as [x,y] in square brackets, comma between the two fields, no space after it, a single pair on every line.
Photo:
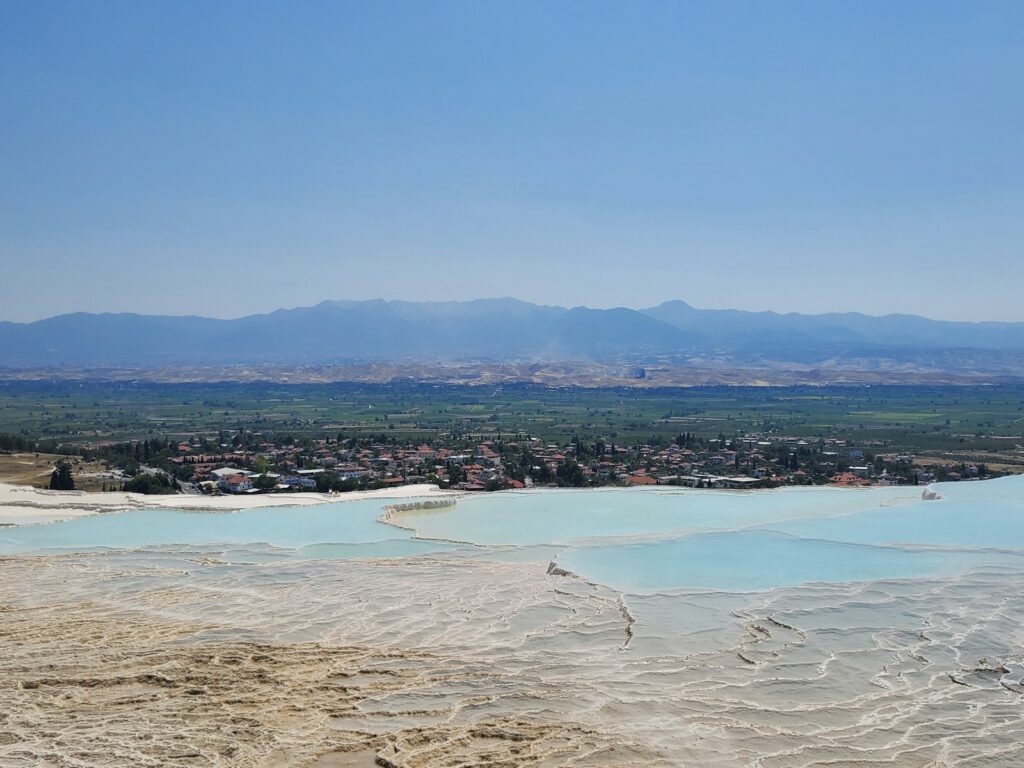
[493,329]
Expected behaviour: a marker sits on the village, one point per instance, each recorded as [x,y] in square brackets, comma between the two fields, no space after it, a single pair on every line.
[251,463]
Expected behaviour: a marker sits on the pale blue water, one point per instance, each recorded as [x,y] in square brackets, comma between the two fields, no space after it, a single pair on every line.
[756,560]
[343,523]
[975,514]
[637,540]
[545,517]
[871,535]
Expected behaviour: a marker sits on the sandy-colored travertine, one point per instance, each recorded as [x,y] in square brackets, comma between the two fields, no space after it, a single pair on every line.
[159,658]
[83,683]
[82,688]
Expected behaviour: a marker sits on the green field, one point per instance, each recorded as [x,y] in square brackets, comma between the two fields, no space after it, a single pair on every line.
[918,419]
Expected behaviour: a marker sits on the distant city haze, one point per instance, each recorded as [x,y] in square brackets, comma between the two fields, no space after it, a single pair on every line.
[226,159]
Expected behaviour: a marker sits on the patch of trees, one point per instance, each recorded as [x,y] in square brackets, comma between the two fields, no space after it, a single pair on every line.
[569,473]
[149,484]
[130,456]
[456,474]
[61,478]
[688,440]
[264,481]
[16,443]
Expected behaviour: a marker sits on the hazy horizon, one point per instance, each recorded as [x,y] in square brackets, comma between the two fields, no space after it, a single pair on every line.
[231,159]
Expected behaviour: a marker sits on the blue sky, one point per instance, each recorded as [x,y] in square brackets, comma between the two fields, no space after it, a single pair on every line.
[226,158]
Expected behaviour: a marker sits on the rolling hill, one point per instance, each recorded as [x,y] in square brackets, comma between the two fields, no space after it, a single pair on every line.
[505,330]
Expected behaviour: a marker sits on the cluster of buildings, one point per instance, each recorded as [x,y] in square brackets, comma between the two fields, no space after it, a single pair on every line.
[235,480]
[323,465]
[748,461]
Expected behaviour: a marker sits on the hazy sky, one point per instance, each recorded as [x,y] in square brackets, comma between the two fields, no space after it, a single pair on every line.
[226,158]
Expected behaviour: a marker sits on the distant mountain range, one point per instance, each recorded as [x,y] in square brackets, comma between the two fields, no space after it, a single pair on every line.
[499,330]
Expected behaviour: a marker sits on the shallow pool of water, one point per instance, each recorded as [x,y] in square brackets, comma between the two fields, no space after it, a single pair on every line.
[632,539]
